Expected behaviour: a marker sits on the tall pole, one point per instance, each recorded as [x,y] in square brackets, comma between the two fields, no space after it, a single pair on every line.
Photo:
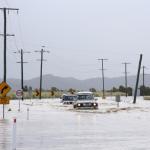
[21,52]
[143,79]
[103,78]
[137,80]
[143,76]
[41,73]
[126,78]
[22,74]
[5,43]
[5,48]
[41,69]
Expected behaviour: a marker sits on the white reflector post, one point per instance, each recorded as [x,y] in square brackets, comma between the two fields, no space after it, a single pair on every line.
[14,135]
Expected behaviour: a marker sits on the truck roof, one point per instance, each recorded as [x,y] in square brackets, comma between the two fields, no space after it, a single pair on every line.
[84,92]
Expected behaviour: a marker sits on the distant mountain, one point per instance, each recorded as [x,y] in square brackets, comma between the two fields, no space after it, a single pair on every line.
[66,83]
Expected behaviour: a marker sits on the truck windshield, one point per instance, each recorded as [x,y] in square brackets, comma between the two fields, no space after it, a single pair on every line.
[69,98]
[85,97]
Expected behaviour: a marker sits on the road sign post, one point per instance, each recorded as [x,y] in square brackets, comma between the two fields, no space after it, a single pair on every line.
[19,94]
[4,89]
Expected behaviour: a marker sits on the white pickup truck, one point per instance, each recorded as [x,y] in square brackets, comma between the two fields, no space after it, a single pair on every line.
[85,100]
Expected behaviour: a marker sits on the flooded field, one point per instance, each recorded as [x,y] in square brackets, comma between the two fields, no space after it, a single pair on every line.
[52,126]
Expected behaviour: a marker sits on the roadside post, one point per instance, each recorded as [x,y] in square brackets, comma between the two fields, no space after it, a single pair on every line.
[118,100]
[27,113]
[30,93]
[19,94]
[14,135]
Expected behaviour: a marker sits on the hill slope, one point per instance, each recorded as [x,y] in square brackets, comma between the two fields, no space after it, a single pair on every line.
[66,83]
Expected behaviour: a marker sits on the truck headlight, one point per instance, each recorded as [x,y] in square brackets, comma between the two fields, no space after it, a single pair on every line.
[94,104]
[79,104]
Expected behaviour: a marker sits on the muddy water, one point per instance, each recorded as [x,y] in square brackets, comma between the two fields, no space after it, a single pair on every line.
[57,128]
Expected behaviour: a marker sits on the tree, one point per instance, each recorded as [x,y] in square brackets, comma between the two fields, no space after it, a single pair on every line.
[129,91]
[114,89]
[122,88]
[54,89]
[144,91]
[72,91]
[52,93]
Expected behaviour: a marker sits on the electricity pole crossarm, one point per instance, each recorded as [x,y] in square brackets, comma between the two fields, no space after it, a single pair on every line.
[9,9]
[7,35]
[41,66]
[42,60]
[21,62]
[103,79]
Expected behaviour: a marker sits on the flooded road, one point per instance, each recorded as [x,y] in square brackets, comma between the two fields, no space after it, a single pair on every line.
[57,128]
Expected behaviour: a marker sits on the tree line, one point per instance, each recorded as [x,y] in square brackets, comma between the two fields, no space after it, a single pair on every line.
[144,90]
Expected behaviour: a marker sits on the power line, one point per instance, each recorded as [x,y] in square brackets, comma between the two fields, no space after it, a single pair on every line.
[6,2]
[20,31]
[19,35]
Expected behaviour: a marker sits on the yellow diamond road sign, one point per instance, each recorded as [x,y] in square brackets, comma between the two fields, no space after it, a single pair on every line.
[4,89]
[4,100]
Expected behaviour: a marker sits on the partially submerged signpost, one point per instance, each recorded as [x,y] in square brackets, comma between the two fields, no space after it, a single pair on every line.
[4,99]
[19,95]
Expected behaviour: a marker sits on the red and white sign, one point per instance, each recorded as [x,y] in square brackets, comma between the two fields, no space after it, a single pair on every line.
[19,93]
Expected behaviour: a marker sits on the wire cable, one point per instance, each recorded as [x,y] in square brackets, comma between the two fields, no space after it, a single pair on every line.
[20,30]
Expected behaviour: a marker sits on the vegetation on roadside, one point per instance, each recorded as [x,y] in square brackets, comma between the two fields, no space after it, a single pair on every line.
[146,97]
[54,92]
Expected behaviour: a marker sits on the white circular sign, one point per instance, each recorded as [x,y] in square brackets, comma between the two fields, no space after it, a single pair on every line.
[19,93]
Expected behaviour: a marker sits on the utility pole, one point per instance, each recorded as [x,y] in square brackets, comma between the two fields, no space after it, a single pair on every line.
[21,52]
[126,80]
[5,44]
[41,70]
[103,78]
[137,80]
[143,67]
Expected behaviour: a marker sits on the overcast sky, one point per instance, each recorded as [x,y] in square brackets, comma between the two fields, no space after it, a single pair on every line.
[77,33]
